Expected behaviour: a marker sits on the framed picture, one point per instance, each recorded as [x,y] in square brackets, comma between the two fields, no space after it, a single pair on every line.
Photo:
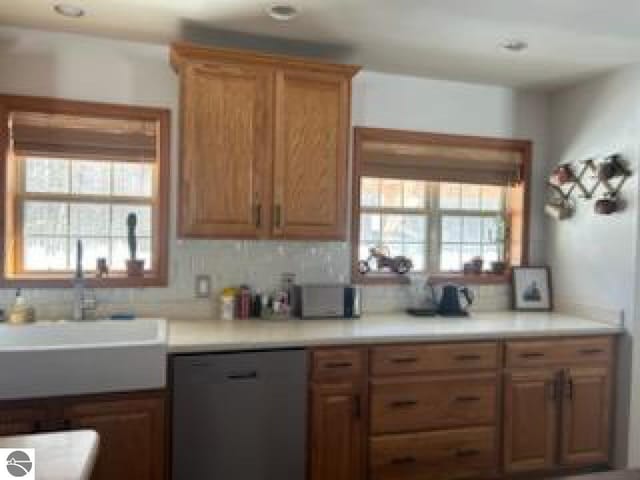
[532,289]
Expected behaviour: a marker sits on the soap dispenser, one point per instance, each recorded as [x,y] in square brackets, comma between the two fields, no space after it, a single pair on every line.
[20,312]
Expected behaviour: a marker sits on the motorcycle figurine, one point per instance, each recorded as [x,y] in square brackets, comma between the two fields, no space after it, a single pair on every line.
[381,255]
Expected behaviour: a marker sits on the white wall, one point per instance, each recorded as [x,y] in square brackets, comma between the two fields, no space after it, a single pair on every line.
[595,258]
[86,68]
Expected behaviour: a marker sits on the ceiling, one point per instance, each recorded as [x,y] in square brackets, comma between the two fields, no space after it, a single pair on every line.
[454,39]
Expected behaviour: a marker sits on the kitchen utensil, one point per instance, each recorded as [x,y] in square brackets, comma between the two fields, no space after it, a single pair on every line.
[454,301]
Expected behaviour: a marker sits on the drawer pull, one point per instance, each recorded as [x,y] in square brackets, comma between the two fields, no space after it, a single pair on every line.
[403,460]
[243,376]
[591,351]
[403,404]
[467,399]
[468,357]
[467,452]
[338,364]
[532,354]
[404,360]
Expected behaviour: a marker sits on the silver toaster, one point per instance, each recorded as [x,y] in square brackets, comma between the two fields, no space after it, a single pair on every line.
[326,301]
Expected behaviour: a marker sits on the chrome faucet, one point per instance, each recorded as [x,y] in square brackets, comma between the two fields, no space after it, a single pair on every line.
[81,302]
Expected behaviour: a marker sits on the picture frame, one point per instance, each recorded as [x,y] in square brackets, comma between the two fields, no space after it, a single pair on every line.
[531,289]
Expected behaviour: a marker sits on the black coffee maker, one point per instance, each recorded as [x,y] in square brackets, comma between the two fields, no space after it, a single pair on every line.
[454,301]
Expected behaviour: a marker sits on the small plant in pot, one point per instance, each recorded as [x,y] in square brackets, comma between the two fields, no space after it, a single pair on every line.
[135,267]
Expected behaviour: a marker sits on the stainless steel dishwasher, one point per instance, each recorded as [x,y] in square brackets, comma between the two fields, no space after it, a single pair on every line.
[240,416]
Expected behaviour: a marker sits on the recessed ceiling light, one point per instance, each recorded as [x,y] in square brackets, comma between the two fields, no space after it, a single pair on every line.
[282,11]
[68,10]
[514,45]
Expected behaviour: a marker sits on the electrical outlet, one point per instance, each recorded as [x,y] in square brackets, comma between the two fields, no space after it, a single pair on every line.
[203,286]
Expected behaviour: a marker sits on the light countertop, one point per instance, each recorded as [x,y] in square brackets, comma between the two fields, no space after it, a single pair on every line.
[68,455]
[191,336]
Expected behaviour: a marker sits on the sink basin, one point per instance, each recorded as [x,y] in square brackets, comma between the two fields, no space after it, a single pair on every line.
[48,359]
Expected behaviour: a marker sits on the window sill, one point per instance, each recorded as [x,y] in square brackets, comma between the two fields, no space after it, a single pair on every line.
[150,279]
[468,279]
[484,278]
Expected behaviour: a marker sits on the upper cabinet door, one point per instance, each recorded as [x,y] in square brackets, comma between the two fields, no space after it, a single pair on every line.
[586,410]
[226,150]
[310,164]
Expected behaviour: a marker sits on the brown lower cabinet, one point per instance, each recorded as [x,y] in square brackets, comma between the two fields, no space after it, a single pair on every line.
[336,437]
[461,410]
[131,427]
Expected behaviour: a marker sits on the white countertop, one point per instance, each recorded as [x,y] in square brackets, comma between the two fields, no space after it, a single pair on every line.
[68,455]
[189,336]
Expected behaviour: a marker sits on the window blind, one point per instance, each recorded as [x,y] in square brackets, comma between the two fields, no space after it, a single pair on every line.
[83,137]
[441,162]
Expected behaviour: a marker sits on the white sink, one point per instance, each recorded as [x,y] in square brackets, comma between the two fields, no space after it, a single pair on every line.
[48,359]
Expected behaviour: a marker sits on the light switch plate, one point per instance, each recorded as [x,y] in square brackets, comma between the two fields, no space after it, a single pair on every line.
[203,286]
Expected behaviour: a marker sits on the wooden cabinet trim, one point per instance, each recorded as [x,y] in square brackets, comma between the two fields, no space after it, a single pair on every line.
[184,52]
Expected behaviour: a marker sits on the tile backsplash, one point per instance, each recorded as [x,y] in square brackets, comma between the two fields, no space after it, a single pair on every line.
[256,263]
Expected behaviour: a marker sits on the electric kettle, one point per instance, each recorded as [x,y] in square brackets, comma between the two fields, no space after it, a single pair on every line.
[454,301]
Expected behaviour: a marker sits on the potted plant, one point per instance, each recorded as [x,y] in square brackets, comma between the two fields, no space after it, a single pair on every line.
[135,267]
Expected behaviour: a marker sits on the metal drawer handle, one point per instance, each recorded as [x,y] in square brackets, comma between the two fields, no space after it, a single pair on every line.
[467,399]
[404,359]
[403,460]
[339,364]
[591,351]
[243,376]
[532,354]
[467,452]
[403,403]
[467,357]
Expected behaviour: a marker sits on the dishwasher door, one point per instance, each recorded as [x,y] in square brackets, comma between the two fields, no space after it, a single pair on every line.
[240,416]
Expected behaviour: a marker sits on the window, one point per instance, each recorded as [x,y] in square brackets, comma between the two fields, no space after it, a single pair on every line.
[408,203]
[466,221]
[77,174]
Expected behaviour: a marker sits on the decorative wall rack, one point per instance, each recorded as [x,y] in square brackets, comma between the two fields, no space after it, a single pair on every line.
[568,182]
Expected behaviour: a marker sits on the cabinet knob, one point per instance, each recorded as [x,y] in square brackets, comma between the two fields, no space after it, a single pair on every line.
[467,357]
[467,399]
[403,403]
[258,215]
[532,354]
[403,460]
[277,215]
[338,364]
[467,452]
[404,360]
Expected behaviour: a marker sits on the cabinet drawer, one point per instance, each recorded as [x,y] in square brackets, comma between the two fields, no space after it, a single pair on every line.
[337,364]
[399,359]
[433,455]
[537,353]
[404,405]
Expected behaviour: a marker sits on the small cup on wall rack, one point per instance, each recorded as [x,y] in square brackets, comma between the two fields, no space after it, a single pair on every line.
[610,168]
[563,174]
[607,205]
[135,268]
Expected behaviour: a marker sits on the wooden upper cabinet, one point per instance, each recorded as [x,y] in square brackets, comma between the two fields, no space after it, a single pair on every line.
[264,145]
[586,416]
[530,420]
[310,169]
[226,150]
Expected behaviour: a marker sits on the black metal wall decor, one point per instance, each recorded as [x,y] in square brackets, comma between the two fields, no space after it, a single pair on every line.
[568,183]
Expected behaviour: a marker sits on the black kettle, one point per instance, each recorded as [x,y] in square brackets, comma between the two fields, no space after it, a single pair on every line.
[454,301]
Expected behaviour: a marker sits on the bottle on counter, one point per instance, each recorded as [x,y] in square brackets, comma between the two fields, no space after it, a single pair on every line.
[244,302]
[21,312]
[228,304]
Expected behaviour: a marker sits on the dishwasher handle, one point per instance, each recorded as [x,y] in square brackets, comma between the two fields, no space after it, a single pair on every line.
[251,375]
